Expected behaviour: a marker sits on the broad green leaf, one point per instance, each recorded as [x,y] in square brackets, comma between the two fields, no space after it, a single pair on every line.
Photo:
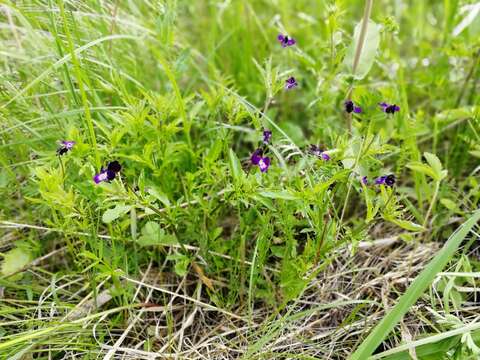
[113,214]
[159,195]
[422,168]
[15,260]
[436,165]
[181,263]
[153,234]
[415,290]
[475,153]
[369,49]
[449,204]
[235,165]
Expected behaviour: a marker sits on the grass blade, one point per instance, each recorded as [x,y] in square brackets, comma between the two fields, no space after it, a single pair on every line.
[415,290]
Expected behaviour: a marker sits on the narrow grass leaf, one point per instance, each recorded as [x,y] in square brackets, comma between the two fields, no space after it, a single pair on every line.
[419,285]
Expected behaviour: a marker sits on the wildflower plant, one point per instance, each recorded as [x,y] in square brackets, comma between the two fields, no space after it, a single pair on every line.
[167,193]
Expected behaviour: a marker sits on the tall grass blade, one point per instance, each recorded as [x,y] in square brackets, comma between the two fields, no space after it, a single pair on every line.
[423,280]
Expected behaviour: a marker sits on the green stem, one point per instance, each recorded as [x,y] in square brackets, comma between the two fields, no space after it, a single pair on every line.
[358,53]
[83,94]
[432,203]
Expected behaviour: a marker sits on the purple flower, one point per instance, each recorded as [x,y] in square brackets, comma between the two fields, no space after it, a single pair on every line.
[264,164]
[364,180]
[65,146]
[267,136]
[389,108]
[350,107]
[290,83]
[388,180]
[257,158]
[285,40]
[317,151]
[380,180]
[109,173]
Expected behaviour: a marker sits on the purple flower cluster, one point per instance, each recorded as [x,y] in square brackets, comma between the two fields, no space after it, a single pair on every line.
[106,174]
[350,107]
[285,41]
[389,108]
[258,157]
[388,180]
[318,152]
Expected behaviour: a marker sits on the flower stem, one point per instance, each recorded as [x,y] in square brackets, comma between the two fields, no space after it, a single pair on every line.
[363,34]
[358,53]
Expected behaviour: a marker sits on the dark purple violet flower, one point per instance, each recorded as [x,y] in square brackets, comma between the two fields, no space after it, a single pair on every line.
[290,83]
[388,180]
[285,40]
[257,158]
[364,180]
[389,108]
[109,173]
[350,107]
[267,136]
[317,151]
[65,146]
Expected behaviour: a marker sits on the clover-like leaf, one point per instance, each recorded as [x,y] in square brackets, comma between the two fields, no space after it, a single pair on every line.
[153,234]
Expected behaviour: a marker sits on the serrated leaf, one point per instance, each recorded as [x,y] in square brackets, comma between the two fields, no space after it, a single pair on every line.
[113,214]
[15,260]
[369,49]
[154,235]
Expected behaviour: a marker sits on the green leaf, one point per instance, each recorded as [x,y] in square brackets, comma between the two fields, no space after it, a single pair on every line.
[436,165]
[113,214]
[407,225]
[449,204]
[369,49]
[181,263]
[153,234]
[15,260]
[235,165]
[278,195]
[422,168]
[159,195]
[415,290]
